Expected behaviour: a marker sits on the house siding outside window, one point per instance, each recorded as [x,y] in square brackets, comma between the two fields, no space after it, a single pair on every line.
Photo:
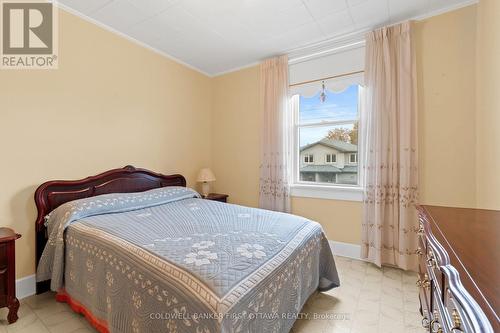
[340,171]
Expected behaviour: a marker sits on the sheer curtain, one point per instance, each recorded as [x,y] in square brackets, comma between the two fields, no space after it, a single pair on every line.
[274,192]
[390,155]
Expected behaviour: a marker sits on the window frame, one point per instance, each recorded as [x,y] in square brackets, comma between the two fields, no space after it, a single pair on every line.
[333,158]
[309,159]
[316,189]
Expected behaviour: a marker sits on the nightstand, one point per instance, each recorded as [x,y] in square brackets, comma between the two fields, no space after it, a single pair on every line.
[217,197]
[8,273]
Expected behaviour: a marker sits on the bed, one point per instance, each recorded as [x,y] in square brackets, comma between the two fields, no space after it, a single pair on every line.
[137,251]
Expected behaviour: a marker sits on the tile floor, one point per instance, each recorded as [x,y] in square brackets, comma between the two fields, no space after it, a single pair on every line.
[370,300]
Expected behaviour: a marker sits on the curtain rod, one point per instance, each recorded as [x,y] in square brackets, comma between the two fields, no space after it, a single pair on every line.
[325,78]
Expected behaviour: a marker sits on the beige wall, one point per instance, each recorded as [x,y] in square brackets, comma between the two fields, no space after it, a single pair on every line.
[341,220]
[446,89]
[446,61]
[488,105]
[236,135]
[109,104]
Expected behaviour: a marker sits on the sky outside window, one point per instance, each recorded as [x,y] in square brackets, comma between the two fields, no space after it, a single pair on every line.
[337,107]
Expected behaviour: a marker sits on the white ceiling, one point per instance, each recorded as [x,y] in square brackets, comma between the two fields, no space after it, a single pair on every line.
[216,36]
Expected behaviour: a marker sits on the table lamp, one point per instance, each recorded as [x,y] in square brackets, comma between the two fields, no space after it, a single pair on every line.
[205,176]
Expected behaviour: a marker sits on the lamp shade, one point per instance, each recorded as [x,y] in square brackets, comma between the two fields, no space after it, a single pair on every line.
[206,175]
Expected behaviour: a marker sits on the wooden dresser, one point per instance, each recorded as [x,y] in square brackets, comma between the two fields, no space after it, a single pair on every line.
[459,269]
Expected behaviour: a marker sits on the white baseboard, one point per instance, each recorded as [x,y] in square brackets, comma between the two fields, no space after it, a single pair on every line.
[346,249]
[25,286]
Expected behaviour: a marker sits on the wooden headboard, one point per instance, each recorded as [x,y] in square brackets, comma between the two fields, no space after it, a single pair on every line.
[54,193]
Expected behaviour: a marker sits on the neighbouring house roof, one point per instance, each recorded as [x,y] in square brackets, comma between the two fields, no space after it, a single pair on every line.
[342,146]
[328,169]
[320,168]
[350,168]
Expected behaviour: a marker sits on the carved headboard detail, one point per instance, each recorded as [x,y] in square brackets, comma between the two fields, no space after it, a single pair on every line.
[52,194]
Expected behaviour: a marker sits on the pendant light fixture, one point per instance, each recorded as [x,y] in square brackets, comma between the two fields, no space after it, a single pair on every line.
[322,96]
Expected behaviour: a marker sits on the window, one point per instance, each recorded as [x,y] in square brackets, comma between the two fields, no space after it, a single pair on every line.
[331,158]
[326,124]
[308,158]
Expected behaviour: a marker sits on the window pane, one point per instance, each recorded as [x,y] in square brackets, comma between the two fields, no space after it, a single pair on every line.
[335,147]
[336,107]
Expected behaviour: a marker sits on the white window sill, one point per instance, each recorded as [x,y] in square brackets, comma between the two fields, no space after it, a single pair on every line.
[347,193]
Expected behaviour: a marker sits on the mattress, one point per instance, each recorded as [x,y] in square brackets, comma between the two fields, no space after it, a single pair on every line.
[166,260]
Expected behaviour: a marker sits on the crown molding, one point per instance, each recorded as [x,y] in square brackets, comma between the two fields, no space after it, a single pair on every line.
[236,69]
[333,45]
[357,39]
[446,9]
[127,37]
[349,41]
